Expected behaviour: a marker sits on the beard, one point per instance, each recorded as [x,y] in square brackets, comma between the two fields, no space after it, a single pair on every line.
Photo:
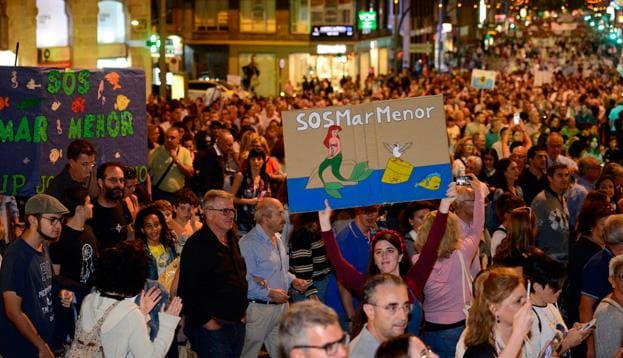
[45,236]
[113,193]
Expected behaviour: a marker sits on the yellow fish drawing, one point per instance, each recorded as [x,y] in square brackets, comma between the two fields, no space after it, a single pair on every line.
[122,102]
[431,182]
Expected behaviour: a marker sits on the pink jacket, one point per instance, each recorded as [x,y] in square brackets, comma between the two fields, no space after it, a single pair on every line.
[443,292]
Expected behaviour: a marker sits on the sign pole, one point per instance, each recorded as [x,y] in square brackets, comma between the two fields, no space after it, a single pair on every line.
[16,53]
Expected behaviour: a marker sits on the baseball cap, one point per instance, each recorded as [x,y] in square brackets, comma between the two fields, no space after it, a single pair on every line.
[44,204]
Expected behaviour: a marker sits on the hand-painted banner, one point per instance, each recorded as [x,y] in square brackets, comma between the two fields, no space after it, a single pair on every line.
[482,79]
[380,152]
[43,109]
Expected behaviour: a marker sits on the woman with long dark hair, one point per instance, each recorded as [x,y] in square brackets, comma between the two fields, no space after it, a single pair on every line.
[249,187]
[150,228]
[519,242]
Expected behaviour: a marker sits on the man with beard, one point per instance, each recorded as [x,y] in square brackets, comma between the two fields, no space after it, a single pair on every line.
[26,303]
[109,222]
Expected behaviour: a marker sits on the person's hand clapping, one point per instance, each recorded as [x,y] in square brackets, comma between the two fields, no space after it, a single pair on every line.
[175,307]
[149,299]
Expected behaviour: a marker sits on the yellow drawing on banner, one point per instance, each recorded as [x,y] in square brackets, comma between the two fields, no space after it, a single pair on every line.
[122,102]
[397,170]
[431,182]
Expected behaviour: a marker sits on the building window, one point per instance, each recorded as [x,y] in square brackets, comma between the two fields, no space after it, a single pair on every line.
[4,28]
[332,12]
[257,16]
[52,24]
[211,15]
[110,22]
[299,16]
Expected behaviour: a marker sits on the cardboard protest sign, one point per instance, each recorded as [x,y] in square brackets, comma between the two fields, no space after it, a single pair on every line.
[42,110]
[380,152]
[482,79]
[542,77]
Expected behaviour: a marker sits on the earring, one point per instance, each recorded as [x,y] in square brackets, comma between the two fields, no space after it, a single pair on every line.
[497,319]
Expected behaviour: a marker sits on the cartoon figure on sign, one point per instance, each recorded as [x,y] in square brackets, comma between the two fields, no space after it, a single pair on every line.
[14,83]
[4,103]
[31,85]
[100,92]
[77,105]
[431,182]
[334,160]
[55,155]
[55,105]
[122,102]
[113,78]
[397,170]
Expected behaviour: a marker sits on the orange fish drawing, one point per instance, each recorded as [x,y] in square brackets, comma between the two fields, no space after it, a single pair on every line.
[4,103]
[77,105]
[113,78]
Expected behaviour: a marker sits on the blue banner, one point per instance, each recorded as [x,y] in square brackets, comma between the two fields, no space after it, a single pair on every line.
[42,110]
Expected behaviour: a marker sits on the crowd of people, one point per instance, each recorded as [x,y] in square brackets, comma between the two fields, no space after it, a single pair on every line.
[522,257]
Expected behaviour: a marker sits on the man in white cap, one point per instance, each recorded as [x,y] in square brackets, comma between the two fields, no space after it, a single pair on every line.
[26,313]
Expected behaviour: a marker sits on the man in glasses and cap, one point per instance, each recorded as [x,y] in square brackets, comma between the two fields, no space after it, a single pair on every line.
[26,303]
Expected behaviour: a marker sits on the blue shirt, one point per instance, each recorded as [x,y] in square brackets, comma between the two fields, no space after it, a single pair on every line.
[265,260]
[595,282]
[355,248]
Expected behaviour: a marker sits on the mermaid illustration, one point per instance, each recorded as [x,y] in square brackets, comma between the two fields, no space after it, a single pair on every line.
[334,160]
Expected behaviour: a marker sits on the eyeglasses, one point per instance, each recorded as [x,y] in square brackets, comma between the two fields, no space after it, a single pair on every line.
[619,277]
[393,307]
[330,348]
[53,220]
[223,211]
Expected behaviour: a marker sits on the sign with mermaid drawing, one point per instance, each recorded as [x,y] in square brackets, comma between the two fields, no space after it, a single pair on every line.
[365,154]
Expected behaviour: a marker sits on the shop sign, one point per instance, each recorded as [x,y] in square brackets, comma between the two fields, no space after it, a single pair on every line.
[335,31]
[366,21]
[331,49]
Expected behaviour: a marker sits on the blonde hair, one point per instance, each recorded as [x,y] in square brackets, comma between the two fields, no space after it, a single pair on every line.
[491,287]
[451,236]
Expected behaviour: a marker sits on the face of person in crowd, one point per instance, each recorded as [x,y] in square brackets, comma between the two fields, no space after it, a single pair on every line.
[520,156]
[479,142]
[81,168]
[512,172]
[488,161]
[225,143]
[517,136]
[612,144]
[366,217]
[152,228]
[113,183]
[594,143]
[506,309]
[554,147]
[216,218]
[539,161]
[177,114]
[548,293]
[277,219]
[130,186]
[49,226]
[386,256]
[469,148]
[154,134]
[329,341]
[388,311]
[472,166]
[189,144]
[183,211]
[417,349]
[256,163]
[172,139]
[617,282]
[87,208]
[418,218]
[560,181]
[607,186]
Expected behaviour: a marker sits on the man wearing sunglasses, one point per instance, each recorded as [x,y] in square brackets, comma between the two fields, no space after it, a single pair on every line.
[309,329]
[26,303]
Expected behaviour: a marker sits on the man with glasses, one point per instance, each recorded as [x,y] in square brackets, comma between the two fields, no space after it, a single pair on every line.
[213,282]
[26,303]
[79,171]
[109,222]
[170,165]
[268,278]
[386,307]
[309,329]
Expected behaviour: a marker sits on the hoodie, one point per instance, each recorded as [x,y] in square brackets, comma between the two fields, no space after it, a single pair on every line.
[124,332]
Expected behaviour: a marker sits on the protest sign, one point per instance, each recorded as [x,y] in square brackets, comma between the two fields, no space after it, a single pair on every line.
[380,152]
[542,77]
[42,110]
[482,79]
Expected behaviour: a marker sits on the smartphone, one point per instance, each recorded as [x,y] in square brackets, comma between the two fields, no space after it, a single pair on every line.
[463,180]
[516,118]
[589,325]
[528,290]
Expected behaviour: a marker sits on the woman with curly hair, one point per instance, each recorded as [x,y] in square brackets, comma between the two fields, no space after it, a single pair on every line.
[500,317]
[388,256]
[151,229]
[120,276]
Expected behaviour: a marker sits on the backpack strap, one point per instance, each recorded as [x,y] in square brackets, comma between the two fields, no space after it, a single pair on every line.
[100,321]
